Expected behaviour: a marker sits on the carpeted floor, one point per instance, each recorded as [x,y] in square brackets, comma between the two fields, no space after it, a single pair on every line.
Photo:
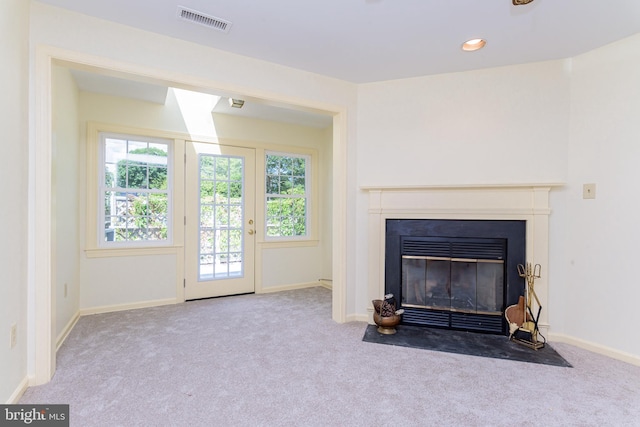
[472,344]
[279,360]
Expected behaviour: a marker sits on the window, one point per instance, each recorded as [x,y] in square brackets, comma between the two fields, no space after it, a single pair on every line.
[287,195]
[135,191]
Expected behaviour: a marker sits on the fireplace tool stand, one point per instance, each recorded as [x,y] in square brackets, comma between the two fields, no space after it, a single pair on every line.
[523,324]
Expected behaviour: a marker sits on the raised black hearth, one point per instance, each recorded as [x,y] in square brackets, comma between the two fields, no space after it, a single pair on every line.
[455,274]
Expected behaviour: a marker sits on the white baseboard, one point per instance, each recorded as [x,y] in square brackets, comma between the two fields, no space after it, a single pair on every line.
[67,329]
[326,283]
[19,391]
[271,289]
[129,306]
[357,318]
[596,348]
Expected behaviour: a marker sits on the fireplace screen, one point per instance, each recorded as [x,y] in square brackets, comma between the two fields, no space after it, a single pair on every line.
[454,284]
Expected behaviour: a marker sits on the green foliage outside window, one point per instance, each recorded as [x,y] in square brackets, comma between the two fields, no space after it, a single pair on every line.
[139,174]
[223,174]
[136,208]
[286,188]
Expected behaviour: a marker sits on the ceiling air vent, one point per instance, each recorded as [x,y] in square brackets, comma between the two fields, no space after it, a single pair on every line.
[202,19]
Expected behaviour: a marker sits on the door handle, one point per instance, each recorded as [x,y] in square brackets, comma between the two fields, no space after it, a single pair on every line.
[252,231]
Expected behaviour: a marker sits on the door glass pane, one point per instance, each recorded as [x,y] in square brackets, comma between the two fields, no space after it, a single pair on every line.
[221,217]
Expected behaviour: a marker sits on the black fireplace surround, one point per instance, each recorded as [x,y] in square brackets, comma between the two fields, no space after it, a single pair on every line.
[472,254]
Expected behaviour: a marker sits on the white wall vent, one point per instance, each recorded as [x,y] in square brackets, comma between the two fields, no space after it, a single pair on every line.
[202,19]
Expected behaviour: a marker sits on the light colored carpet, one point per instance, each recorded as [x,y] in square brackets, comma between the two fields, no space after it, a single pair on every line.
[279,360]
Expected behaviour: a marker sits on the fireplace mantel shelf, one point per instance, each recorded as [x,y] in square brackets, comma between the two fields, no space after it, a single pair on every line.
[460,186]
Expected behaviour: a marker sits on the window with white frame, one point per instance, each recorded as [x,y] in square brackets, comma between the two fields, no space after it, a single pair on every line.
[288,190]
[135,190]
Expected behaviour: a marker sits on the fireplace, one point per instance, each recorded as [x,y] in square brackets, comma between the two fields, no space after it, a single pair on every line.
[455,274]
[524,204]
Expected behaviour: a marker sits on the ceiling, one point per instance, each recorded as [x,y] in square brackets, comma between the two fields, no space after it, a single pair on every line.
[373,40]
[363,41]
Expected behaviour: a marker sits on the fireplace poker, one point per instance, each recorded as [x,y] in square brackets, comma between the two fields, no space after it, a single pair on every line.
[530,274]
[529,329]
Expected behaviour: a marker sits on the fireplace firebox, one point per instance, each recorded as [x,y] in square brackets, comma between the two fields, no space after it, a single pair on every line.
[455,274]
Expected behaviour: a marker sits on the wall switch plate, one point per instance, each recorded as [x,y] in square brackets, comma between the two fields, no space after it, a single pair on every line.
[589,191]
[13,338]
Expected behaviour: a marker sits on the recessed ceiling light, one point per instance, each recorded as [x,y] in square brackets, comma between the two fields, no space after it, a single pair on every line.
[473,44]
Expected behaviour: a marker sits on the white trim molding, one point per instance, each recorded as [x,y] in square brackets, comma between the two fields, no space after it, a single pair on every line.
[271,289]
[130,306]
[67,330]
[595,348]
[18,392]
[524,202]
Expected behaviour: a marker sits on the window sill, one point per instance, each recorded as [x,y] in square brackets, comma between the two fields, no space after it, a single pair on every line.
[125,252]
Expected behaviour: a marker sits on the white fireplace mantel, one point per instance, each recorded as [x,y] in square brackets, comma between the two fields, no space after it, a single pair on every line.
[525,202]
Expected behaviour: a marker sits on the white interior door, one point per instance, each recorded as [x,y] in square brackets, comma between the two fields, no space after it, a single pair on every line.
[219,229]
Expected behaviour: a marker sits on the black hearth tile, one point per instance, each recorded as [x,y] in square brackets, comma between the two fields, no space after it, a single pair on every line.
[470,343]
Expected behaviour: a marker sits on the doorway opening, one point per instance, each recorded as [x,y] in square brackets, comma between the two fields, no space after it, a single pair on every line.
[44,312]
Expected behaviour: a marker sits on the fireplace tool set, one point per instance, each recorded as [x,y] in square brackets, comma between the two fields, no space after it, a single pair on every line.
[523,324]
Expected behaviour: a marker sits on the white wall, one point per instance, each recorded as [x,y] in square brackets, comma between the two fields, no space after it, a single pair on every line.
[595,242]
[107,283]
[14,25]
[498,125]
[65,178]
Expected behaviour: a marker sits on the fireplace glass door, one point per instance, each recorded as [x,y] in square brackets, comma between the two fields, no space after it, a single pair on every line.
[453,284]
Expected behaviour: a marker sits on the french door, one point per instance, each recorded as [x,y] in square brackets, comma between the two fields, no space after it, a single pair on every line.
[219,229]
